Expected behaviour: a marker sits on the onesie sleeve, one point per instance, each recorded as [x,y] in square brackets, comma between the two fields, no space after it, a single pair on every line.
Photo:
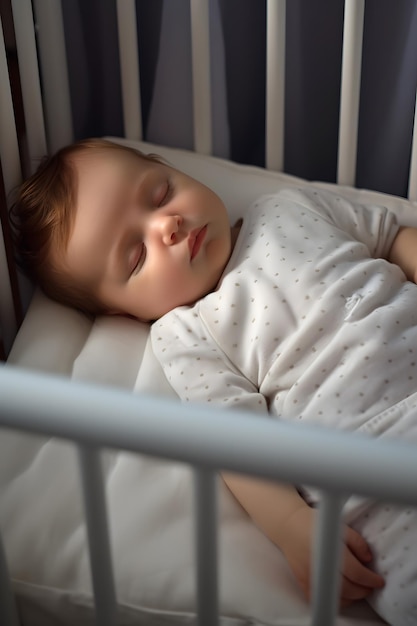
[373,225]
[197,368]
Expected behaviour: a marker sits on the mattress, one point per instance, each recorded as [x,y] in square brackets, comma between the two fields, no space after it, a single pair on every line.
[149,500]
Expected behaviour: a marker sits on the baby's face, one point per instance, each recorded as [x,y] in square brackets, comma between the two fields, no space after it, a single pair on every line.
[146,237]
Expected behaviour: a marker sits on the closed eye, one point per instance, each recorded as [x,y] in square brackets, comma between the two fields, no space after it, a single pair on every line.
[137,259]
[165,194]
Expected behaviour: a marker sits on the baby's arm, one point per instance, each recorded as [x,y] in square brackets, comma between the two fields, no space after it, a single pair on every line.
[202,373]
[286,519]
[404,251]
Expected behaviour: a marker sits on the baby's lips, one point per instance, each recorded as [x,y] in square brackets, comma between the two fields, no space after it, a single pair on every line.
[195,240]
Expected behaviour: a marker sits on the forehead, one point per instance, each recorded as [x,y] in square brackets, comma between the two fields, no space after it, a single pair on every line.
[104,168]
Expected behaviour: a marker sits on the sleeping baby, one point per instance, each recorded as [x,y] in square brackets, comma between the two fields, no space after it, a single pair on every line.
[305,310]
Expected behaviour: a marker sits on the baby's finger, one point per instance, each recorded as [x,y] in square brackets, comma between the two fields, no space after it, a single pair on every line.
[351,592]
[359,574]
[357,545]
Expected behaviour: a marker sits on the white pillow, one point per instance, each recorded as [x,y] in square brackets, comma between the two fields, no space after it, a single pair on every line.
[113,352]
[51,336]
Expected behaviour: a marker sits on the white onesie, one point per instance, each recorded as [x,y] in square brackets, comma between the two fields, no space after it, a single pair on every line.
[310,322]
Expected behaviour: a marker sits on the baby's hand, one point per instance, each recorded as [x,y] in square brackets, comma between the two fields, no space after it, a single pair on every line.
[358,580]
[404,251]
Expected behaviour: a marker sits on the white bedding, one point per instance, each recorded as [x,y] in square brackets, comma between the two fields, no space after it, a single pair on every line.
[149,500]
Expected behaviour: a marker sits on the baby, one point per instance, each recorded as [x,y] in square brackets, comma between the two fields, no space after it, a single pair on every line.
[304,310]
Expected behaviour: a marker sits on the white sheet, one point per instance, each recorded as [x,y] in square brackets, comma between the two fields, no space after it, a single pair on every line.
[149,500]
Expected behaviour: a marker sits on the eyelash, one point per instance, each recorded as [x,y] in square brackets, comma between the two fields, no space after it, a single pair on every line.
[140,261]
[166,198]
[168,194]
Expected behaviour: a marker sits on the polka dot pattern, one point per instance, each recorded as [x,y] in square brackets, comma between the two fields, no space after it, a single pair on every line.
[311,323]
[307,315]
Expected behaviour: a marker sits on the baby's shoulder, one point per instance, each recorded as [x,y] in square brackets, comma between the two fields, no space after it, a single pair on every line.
[180,323]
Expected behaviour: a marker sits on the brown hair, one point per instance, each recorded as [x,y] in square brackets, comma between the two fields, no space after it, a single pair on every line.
[43,214]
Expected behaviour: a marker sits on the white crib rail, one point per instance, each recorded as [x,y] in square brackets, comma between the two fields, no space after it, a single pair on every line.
[8,611]
[326,559]
[205,498]
[98,534]
[350,91]
[208,441]
[412,184]
[54,70]
[200,50]
[275,85]
[30,80]
[10,166]
[39,30]
[129,68]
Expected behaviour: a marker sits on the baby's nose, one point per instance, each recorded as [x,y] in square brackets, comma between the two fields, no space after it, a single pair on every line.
[170,227]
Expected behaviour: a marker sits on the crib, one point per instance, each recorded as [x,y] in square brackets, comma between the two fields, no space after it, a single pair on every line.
[111,509]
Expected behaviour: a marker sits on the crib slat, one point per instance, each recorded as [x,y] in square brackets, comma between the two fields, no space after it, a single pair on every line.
[412,183]
[275,84]
[8,322]
[326,560]
[8,611]
[350,91]
[55,81]
[206,547]
[30,83]
[129,68]
[200,52]
[9,149]
[273,449]
[98,536]
[10,165]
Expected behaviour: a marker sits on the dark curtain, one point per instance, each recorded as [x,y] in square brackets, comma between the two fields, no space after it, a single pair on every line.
[244,44]
[389,81]
[313,64]
[93,59]
[312,88]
